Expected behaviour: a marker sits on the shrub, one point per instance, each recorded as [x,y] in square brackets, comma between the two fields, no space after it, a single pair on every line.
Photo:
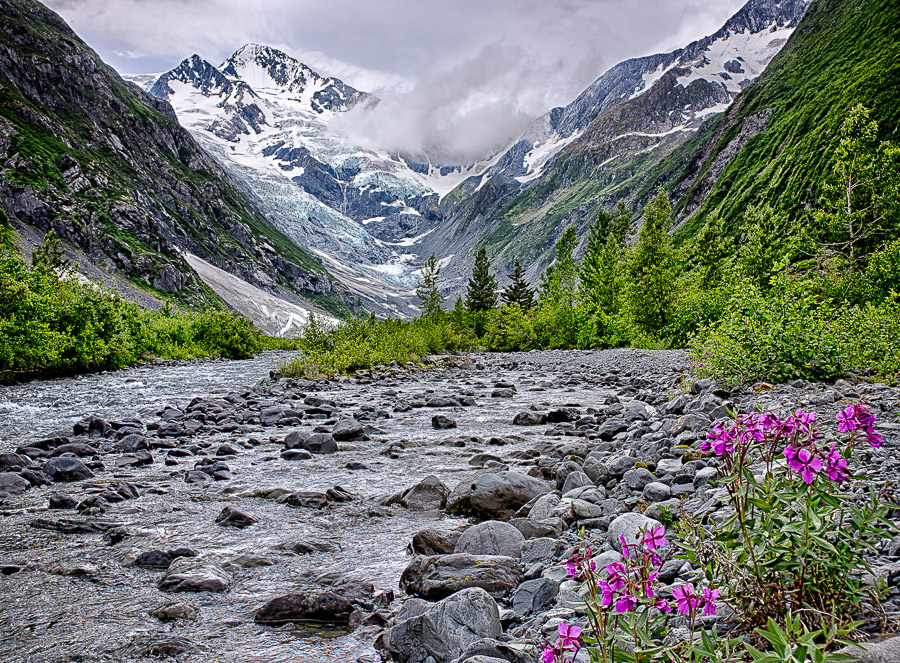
[509,330]
[51,322]
[363,342]
[794,333]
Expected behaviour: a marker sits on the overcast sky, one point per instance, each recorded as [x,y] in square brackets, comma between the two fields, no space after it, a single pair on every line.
[460,76]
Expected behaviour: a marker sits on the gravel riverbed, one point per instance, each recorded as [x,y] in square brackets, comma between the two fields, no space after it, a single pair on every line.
[158,511]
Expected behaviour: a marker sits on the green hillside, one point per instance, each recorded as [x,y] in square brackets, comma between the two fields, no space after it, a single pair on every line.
[845,52]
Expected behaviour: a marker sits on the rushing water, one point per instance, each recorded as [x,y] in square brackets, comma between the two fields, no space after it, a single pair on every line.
[41,407]
[46,615]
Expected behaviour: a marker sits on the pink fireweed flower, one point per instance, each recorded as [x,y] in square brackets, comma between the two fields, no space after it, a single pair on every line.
[790,452]
[663,606]
[847,419]
[608,591]
[580,562]
[624,543]
[722,440]
[769,421]
[855,416]
[806,465]
[617,576]
[875,440]
[549,655]
[709,598]
[648,584]
[568,635]
[654,538]
[805,418]
[626,603]
[685,599]
[836,465]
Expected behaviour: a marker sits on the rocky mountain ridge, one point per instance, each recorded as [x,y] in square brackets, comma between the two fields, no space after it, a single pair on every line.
[373,217]
[604,146]
[268,119]
[108,168]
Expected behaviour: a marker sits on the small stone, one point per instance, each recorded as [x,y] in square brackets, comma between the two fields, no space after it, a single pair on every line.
[440,422]
[492,537]
[65,468]
[348,430]
[12,485]
[172,611]
[231,517]
[657,492]
[529,418]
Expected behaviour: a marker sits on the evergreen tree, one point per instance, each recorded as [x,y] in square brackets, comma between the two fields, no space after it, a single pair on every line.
[427,290]
[482,292]
[650,289]
[711,249]
[518,292]
[599,269]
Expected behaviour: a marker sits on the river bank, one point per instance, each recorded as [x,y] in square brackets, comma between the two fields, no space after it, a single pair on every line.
[172,450]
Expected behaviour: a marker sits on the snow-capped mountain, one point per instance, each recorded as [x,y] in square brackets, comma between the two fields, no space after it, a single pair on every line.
[714,69]
[372,216]
[604,146]
[266,116]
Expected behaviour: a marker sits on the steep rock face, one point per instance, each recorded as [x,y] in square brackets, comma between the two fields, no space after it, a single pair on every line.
[609,142]
[110,170]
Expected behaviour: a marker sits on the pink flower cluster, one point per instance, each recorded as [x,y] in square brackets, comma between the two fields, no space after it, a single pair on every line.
[632,583]
[569,640]
[733,438]
[857,416]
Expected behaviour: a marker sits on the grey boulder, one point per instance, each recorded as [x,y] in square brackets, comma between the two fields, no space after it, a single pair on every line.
[439,576]
[349,430]
[187,574]
[533,595]
[430,494]
[65,468]
[495,495]
[12,485]
[492,537]
[444,631]
[320,606]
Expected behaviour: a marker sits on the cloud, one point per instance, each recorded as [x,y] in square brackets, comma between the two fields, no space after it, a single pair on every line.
[457,79]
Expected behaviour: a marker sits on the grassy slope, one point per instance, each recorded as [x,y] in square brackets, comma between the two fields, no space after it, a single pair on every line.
[844,52]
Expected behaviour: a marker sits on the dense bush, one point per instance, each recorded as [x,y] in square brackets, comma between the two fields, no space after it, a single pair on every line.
[509,330]
[51,322]
[790,332]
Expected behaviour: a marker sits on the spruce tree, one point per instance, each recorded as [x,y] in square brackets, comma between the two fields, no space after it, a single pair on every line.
[651,289]
[482,292]
[518,291]
[599,269]
[427,290]
[712,249]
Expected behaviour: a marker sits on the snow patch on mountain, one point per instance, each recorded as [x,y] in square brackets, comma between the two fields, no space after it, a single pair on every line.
[736,59]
